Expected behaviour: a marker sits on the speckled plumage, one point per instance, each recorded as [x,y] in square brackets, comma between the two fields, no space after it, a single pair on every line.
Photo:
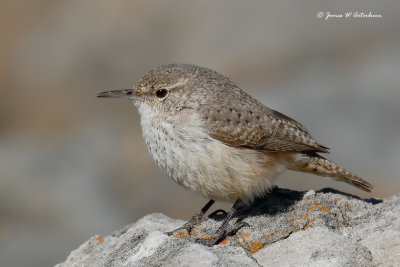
[211,137]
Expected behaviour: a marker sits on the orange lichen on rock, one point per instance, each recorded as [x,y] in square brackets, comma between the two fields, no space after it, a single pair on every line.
[207,237]
[269,235]
[305,216]
[283,232]
[71,259]
[349,206]
[181,235]
[255,246]
[100,238]
[223,242]
[307,225]
[324,208]
[245,235]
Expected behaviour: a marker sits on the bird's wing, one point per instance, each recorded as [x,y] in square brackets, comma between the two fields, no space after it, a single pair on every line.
[255,126]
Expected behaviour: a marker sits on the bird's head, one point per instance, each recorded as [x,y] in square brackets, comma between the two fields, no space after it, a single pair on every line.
[165,86]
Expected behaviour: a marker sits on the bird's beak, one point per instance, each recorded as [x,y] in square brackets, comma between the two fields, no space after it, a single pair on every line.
[123,93]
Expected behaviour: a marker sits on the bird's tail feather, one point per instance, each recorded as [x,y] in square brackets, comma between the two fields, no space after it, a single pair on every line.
[316,164]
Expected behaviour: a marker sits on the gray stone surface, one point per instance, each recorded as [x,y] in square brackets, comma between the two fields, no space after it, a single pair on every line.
[287,228]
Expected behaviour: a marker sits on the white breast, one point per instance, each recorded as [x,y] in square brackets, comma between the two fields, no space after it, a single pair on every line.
[184,151]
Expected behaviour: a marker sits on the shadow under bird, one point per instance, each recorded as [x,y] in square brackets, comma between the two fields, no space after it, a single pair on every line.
[214,139]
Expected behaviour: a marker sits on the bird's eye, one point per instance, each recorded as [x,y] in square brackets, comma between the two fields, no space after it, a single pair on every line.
[161,93]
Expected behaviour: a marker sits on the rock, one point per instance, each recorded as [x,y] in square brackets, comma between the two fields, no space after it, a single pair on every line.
[287,228]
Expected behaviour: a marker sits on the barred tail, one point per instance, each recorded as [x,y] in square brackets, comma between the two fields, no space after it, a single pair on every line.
[318,165]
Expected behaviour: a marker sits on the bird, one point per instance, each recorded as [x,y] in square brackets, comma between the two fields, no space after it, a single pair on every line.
[214,139]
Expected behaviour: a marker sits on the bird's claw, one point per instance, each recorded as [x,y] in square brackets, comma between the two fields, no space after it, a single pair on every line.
[188,226]
[236,227]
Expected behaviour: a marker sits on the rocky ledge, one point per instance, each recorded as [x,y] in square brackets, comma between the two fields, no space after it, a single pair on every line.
[287,228]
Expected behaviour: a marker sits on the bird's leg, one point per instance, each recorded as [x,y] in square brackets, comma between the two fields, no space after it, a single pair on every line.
[223,231]
[195,220]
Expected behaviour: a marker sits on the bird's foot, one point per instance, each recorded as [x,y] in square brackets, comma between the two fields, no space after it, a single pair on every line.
[195,220]
[189,225]
[221,234]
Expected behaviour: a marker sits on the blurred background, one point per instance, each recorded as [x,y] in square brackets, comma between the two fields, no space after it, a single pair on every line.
[72,165]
